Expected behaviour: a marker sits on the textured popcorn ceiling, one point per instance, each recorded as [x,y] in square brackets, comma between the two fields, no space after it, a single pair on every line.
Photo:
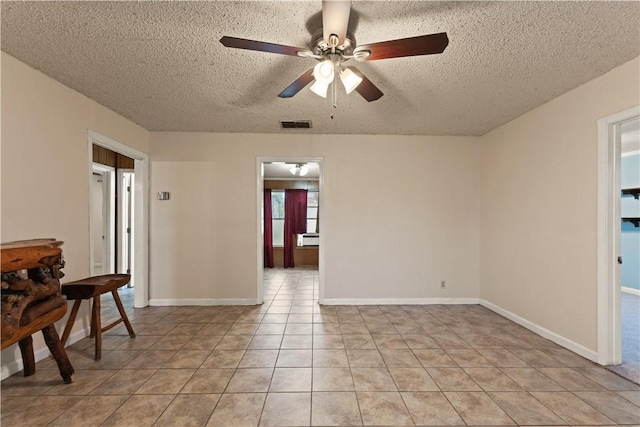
[160,63]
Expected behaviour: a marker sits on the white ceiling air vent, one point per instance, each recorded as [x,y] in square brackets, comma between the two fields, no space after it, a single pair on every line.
[297,124]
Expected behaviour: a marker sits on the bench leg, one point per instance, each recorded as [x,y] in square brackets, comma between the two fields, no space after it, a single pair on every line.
[52,340]
[28,359]
[123,313]
[70,321]
[96,326]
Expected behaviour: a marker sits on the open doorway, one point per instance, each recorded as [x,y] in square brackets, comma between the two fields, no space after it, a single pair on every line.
[290,252]
[124,215]
[619,243]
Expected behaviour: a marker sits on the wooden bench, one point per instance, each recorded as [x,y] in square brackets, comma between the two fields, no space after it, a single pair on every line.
[94,287]
[31,300]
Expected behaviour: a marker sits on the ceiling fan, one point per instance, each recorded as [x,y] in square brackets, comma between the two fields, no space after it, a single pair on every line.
[333,45]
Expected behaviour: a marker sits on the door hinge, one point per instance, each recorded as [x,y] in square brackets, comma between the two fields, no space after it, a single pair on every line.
[619,260]
[128,230]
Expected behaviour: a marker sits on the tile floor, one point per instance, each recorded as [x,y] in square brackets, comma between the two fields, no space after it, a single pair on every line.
[291,362]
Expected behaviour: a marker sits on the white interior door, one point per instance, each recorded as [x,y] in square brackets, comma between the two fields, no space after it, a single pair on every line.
[102,220]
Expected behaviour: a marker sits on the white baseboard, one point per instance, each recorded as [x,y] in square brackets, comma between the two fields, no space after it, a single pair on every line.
[203,301]
[16,365]
[631,291]
[550,335]
[398,301]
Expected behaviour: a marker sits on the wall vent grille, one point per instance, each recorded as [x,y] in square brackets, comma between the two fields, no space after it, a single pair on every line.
[297,124]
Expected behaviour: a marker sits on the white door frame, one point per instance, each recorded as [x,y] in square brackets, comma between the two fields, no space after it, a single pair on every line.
[108,219]
[608,234]
[141,211]
[123,214]
[259,216]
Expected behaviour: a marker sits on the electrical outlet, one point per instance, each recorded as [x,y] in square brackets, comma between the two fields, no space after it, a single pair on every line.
[443,284]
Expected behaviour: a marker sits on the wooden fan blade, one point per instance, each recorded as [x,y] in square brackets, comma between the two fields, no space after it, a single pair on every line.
[412,46]
[297,85]
[335,19]
[261,46]
[366,89]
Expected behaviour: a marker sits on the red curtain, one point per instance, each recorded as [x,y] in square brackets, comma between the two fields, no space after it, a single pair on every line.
[268,230]
[295,221]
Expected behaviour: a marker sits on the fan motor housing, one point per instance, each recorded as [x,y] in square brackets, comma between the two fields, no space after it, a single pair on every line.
[320,47]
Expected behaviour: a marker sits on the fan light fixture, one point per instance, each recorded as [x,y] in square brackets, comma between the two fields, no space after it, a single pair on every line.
[300,169]
[350,80]
[324,75]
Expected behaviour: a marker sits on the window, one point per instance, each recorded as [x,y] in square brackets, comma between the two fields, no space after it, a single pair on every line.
[277,214]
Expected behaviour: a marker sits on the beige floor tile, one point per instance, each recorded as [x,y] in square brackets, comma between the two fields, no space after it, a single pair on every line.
[170,342]
[492,379]
[234,342]
[431,409]
[291,380]
[400,358]
[362,342]
[271,329]
[383,409]
[477,408]
[149,359]
[571,408]
[210,381]
[287,409]
[186,329]
[188,411]
[453,379]
[449,340]
[568,358]
[531,379]
[223,359]
[332,379]
[536,358]
[265,342]
[570,379]
[125,381]
[299,329]
[502,358]
[202,342]
[419,341]
[166,381]
[48,408]
[259,359]
[631,396]
[187,359]
[140,342]
[226,412]
[90,411]
[354,329]
[297,342]
[215,329]
[435,358]
[328,342]
[613,406]
[115,359]
[252,380]
[412,379]
[144,409]
[381,327]
[468,358]
[326,328]
[365,358]
[335,409]
[390,342]
[243,329]
[373,379]
[607,379]
[83,383]
[294,359]
[330,359]
[525,409]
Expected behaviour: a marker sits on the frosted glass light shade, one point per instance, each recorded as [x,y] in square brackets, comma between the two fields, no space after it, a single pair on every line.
[303,170]
[350,80]
[320,88]
[323,72]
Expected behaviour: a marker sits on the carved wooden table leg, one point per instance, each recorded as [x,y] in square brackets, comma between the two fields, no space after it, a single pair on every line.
[52,340]
[28,360]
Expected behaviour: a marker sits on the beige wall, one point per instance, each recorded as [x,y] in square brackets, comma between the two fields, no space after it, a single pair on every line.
[45,178]
[401,213]
[538,216]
